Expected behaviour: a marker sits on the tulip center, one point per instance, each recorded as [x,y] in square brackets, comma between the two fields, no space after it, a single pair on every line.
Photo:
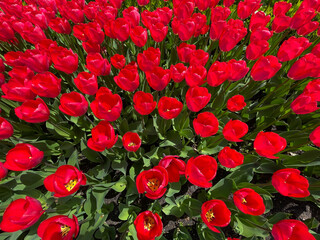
[132,144]
[71,184]
[153,184]
[244,201]
[64,230]
[149,223]
[210,215]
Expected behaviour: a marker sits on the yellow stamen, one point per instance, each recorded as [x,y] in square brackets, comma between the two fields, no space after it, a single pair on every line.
[149,223]
[64,230]
[70,185]
[131,144]
[153,184]
[210,215]
[244,200]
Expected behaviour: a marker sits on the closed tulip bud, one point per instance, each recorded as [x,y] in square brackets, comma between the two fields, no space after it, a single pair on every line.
[158,78]
[256,49]
[267,144]
[232,35]
[265,68]
[258,20]
[217,74]
[60,25]
[197,98]
[237,69]
[281,23]
[6,129]
[46,85]
[158,32]
[139,36]
[128,78]
[307,28]
[247,7]
[236,103]
[64,60]
[306,66]
[132,15]
[281,8]
[292,48]
[230,158]
[33,111]
[98,65]
[206,124]
[144,103]
[195,75]
[73,104]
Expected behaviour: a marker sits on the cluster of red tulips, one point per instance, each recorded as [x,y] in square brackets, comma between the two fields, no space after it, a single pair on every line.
[65,51]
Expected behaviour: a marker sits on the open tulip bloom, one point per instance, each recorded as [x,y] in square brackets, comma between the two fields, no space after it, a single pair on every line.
[167,119]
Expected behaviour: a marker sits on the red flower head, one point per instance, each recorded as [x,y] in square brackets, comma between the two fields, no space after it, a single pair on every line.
[313,89]
[201,170]
[6,129]
[153,181]
[290,183]
[72,11]
[214,213]
[199,57]
[2,67]
[185,52]
[131,141]
[132,15]
[230,158]
[232,35]
[33,111]
[291,229]
[169,107]
[98,65]
[118,61]
[267,144]
[256,49]
[165,15]
[158,32]
[139,36]
[265,68]
[18,89]
[21,214]
[249,202]
[305,103]
[280,23]
[103,137]
[73,104]
[158,78]
[143,103]
[234,130]
[121,29]
[174,166]
[261,34]
[197,98]
[206,124]
[3,173]
[107,106]
[237,69]
[195,75]
[149,59]
[64,60]
[36,60]
[142,3]
[302,17]
[217,74]
[65,181]
[178,72]
[128,78]
[228,3]
[281,8]
[87,83]
[59,227]
[292,48]
[315,136]
[236,103]
[308,28]
[23,157]
[148,225]
[46,85]
[60,25]
[183,9]
[247,7]
[259,20]
[306,66]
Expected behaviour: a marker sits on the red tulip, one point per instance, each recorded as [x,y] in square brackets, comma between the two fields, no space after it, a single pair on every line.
[301,17]
[185,52]
[174,166]
[199,57]
[6,129]
[148,225]
[306,66]
[131,141]
[307,28]
[103,137]
[290,183]
[256,49]
[219,13]
[234,130]
[267,144]
[121,29]
[305,103]
[23,74]
[214,213]
[128,78]
[30,33]
[312,89]
[23,157]
[249,202]
[197,98]
[149,18]
[281,8]
[37,61]
[158,32]
[65,181]
[46,85]
[17,90]
[59,227]
[202,5]
[158,78]
[217,29]
[315,136]
[280,23]
[291,229]
[107,106]
[236,70]
[201,170]
[232,35]
[195,75]
[73,104]
[265,68]
[139,36]
[165,15]
[247,7]
[33,111]
[149,59]
[3,174]
[258,20]
[230,158]
[186,28]
[21,214]
[132,15]
[118,61]
[178,72]
[60,25]
[64,60]
[169,107]
[261,34]
[236,103]
[153,181]
[90,47]
[206,124]
[183,9]
[142,3]
[228,3]
[144,103]
[217,74]
[292,48]
[98,65]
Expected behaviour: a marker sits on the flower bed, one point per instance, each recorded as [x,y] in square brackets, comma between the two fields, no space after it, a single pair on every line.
[183,119]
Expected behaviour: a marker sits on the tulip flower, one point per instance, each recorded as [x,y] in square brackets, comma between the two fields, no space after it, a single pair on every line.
[139,36]
[292,48]
[218,73]
[132,15]
[185,52]
[265,68]
[144,103]
[291,229]
[128,78]
[64,60]
[197,98]
[174,166]
[169,107]
[18,89]
[46,85]
[118,61]
[206,124]
[6,129]
[236,70]
[3,171]
[97,65]
[149,59]
[73,104]
[267,144]
[33,111]
[236,103]
[87,83]
[234,130]
[249,202]
[178,72]
[315,136]
[148,225]
[131,141]
[195,75]
[305,103]
[230,158]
